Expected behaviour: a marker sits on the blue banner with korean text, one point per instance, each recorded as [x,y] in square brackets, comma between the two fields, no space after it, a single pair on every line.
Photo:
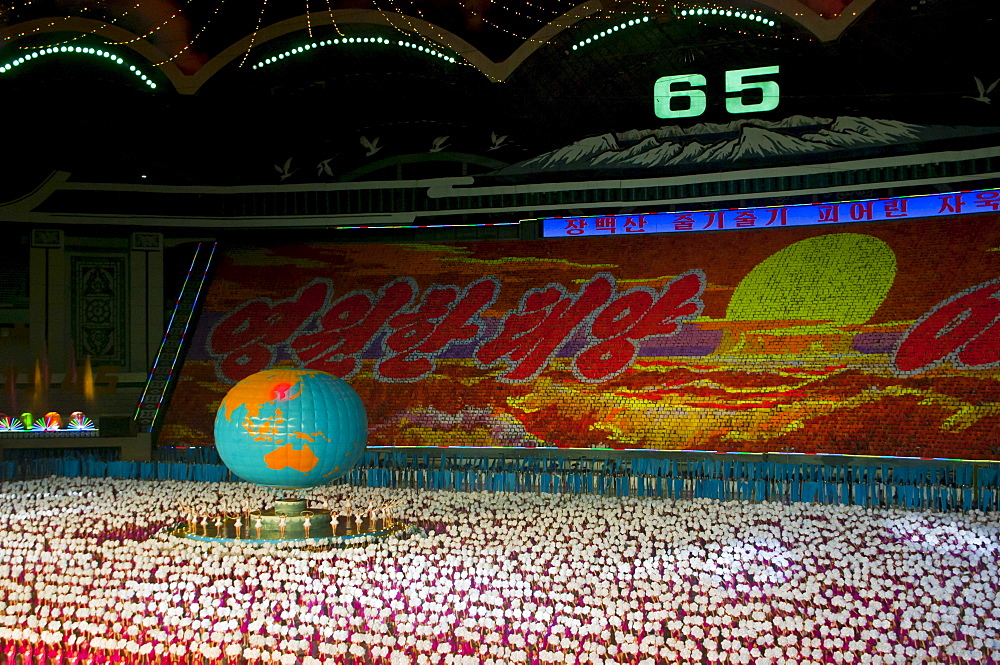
[813,214]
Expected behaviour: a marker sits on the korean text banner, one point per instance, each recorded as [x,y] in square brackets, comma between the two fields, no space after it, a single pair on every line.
[815,214]
[868,338]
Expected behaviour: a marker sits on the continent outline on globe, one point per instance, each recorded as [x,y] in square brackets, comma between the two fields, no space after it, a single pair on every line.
[291,428]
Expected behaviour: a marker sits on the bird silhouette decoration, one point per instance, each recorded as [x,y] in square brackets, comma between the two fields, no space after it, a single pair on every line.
[438,144]
[984,92]
[371,146]
[323,168]
[496,141]
[286,170]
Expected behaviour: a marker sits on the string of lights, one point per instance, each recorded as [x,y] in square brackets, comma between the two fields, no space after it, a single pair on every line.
[198,34]
[348,41]
[412,29]
[631,23]
[148,33]
[253,37]
[333,21]
[39,28]
[511,32]
[82,50]
[729,13]
[542,21]
[89,33]
[425,226]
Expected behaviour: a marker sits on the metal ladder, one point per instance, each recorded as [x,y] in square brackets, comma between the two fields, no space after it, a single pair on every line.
[159,382]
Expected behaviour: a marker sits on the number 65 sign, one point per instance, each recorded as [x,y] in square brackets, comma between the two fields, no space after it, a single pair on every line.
[667,99]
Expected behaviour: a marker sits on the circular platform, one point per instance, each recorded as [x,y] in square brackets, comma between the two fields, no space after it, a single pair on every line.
[291,521]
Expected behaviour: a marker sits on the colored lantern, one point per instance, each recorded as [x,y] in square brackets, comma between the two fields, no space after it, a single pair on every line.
[291,428]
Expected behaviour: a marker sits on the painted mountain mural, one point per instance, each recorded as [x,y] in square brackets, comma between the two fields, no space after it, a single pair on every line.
[718,145]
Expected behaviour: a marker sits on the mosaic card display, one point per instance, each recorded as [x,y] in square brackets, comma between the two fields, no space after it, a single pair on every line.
[875,339]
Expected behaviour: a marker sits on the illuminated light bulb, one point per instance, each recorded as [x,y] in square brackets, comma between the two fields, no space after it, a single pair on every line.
[645,18]
[119,61]
[400,43]
[588,40]
[631,22]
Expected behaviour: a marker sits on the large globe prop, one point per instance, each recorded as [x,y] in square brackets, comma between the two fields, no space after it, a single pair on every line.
[291,428]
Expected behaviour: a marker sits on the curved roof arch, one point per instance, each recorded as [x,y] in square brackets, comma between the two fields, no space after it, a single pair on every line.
[824,29]
[115,36]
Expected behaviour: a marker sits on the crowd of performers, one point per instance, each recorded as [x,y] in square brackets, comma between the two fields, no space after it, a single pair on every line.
[90,574]
[205,520]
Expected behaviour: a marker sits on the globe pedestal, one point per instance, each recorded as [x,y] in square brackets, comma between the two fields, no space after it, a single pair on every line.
[289,506]
[287,522]
[294,520]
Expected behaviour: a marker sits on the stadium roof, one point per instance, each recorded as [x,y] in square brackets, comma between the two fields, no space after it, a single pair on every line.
[308,95]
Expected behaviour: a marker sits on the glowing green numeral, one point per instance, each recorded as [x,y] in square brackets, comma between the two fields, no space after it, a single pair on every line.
[664,94]
[735,83]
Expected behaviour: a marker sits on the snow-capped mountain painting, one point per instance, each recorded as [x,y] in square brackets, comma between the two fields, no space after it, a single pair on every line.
[717,145]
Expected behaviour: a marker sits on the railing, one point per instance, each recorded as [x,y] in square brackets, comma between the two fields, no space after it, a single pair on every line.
[171,347]
[956,486]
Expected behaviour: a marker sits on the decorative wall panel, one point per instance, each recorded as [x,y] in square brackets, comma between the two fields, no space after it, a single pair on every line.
[100,308]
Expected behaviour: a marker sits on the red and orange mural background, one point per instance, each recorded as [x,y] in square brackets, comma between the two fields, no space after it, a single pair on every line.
[878,339]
